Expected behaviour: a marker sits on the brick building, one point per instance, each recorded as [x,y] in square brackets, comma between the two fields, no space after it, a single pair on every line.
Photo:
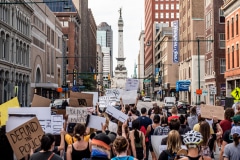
[231,11]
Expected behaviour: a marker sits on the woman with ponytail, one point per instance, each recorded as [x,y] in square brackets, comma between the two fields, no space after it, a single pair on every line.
[79,149]
[231,151]
[137,139]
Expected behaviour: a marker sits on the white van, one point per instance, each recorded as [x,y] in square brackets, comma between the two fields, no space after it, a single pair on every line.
[169,102]
[57,103]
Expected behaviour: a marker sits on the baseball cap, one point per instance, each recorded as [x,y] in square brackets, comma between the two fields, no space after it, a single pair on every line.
[236,119]
[235,130]
[102,140]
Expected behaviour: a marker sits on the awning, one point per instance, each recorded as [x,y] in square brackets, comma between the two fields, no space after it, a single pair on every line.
[44,85]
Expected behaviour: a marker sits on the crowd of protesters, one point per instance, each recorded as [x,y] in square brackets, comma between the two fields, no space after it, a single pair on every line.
[132,139]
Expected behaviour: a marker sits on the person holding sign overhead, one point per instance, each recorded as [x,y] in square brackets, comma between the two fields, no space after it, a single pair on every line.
[47,145]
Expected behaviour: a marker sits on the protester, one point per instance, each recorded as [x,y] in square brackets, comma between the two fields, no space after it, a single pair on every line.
[150,130]
[144,123]
[163,129]
[47,145]
[173,146]
[137,139]
[174,114]
[231,150]
[192,140]
[156,111]
[193,118]
[205,132]
[79,149]
[101,149]
[226,135]
[183,127]
[120,146]
[226,124]
[151,109]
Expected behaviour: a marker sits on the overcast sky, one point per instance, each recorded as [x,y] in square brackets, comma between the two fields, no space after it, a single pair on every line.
[133,17]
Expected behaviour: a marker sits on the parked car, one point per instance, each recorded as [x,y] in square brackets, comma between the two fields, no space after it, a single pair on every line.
[147,99]
[182,108]
[169,102]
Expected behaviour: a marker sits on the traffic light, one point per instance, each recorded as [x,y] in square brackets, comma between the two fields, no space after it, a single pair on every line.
[109,77]
[74,76]
[95,77]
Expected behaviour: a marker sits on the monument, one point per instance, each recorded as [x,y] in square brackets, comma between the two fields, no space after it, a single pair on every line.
[119,80]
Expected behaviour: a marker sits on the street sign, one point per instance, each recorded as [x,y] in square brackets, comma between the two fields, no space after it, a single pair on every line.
[236,93]
[204,92]
[198,91]
[213,90]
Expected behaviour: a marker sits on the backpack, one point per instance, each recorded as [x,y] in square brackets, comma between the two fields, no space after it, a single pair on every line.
[171,156]
[144,131]
[205,151]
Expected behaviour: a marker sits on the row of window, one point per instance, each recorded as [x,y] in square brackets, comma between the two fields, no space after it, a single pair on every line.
[232,27]
[233,56]
[166,15]
[161,6]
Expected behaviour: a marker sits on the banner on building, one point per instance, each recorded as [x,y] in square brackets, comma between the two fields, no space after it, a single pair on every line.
[175,36]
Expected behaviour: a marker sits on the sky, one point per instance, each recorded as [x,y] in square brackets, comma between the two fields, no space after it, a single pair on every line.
[133,18]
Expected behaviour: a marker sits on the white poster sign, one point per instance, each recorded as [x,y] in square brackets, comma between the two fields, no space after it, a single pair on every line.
[78,114]
[56,124]
[131,84]
[114,93]
[95,97]
[96,122]
[105,101]
[116,114]
[129,97]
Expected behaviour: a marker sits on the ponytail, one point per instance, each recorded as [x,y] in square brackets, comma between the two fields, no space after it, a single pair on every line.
[136,136]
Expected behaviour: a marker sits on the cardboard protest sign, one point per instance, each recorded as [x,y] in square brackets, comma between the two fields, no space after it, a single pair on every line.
[209,111]
[131,84]
[116,114]
[39,101]
[129,97]
[13,103]
[80,99]
[105,101]
[25,137]
[95,96]
[114,93]
[78,114]
[42,113]
[96,122]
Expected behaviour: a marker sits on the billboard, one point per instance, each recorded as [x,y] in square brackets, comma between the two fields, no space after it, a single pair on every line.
[175,35]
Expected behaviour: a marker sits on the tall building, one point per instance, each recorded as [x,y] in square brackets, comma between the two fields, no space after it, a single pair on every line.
[191,51]
[140,64]
[164,11]
[215,51]
[105,39]
[231,11]
[106,66]
[120,71]
[15,54]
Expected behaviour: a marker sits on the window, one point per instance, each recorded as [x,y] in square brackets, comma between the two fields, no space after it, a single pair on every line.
[237,53]
[232,56]
[222,65]
[177,6]
[161,6]
[156,15]
[237,24]
[208,20]
[172,6]
[209,44]
[172,15]
[209,67]
[167,15]
[207,2]
[177,15]
[156,6]
[52,37]
[161,15]
[167,6]
[48,33]
[228,58]
[221,16]
[228,30]
[232,27]
[221,40]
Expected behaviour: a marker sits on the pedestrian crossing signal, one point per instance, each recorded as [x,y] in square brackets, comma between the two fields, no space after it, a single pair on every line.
[236,93]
